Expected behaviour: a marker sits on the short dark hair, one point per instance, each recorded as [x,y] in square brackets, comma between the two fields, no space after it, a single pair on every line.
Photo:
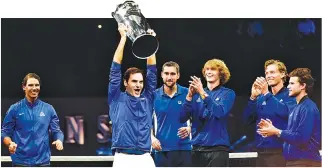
[304,76]
[130,71]
[30,75]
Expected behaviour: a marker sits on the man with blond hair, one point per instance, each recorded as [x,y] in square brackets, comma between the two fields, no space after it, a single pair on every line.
[209,108]
[274,105]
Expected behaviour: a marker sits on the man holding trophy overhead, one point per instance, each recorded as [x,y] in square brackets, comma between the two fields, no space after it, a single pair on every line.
[131,111]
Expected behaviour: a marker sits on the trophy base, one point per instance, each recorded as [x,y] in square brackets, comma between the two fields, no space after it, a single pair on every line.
[145,46]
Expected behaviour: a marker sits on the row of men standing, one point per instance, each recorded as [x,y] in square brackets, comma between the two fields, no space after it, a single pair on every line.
[296,131]
[296,117]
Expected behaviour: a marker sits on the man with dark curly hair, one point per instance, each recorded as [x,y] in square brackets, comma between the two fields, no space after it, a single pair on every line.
[274,104]
[302,137]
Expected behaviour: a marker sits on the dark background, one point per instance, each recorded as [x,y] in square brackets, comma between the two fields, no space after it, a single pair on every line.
[73,58]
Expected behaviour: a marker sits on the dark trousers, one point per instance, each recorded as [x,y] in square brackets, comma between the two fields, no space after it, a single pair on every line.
[270,160]
[178,158]
[21,165]
[210,158]
[303,163]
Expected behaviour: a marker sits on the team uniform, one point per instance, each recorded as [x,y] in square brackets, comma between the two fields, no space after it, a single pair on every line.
[132,119]
[303,135]
[276,108]
[176,152]
[28,125]
[210,138]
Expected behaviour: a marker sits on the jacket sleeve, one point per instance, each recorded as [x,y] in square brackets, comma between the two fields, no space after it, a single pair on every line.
[281,109]
[114,86]
[9,123]
[151,81]
[221,107]
[304,128]
[185,114]
[54,126]
[250,112]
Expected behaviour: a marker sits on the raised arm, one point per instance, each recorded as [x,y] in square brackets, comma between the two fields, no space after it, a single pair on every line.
[186,113]
[118,55]
[152,59]
[250,112]
[151,76]
[115,77]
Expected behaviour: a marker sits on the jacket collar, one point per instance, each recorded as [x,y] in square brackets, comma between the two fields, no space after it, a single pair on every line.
[31,104]
[178,92]
[303,98]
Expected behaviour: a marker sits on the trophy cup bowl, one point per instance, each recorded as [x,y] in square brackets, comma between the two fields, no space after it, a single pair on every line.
[143,43]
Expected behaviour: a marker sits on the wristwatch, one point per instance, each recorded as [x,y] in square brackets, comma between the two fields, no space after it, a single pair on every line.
[204,95]
[251,98]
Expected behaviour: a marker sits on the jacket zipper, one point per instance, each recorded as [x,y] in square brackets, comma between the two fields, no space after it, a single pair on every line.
[138,129]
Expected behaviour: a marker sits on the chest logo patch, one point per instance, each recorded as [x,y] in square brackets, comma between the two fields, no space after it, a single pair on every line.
[179,102]
[217,99]
[42,114]
[264,103]
[198,100]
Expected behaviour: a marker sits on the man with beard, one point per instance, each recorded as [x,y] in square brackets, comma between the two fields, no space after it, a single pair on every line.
[131,111]
[172,142]
[26,126]
[302,137]
[209,108]
[274,106]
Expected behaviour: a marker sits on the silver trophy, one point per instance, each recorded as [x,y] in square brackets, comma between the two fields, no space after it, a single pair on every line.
[143,44]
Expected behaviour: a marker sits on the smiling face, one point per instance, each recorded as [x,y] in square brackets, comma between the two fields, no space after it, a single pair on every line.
[273,75]
[216,71]
[211,74]
[31,89]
